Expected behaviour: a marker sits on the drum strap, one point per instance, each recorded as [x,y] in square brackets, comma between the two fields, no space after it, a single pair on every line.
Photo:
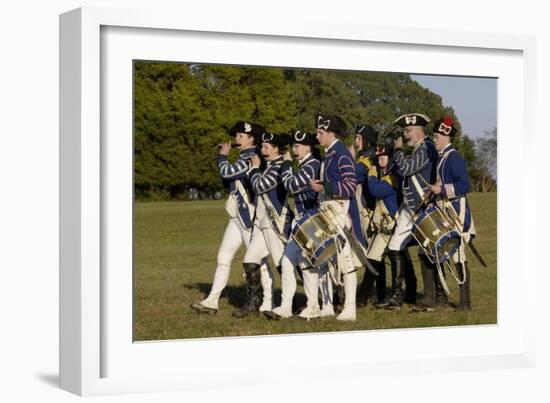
[291,202]
[277,221]
[417,186]
[244,194]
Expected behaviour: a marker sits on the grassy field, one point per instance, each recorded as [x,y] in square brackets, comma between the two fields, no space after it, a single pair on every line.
[176,244]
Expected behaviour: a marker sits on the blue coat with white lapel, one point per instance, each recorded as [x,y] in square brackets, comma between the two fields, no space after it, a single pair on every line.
[419,167]
[455,183]
[340,182]
[238,172]
[298,183]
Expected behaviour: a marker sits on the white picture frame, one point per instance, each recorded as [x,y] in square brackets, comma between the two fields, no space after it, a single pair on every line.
[86,345]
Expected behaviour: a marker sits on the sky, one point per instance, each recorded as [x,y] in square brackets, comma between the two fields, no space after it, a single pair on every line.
[473,99]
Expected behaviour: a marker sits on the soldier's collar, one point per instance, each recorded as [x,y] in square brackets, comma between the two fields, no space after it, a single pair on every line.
[419,143]
[331,145]
[304,159]
[280,157]
[249,150]
[446,149]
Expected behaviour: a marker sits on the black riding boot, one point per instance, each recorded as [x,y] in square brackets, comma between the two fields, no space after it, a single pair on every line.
[410,280]
[366,286]
[253,287]
[381,281]
[383,303]
[338,297]
[397,260]
[441,298]
[465,304]
[427,302]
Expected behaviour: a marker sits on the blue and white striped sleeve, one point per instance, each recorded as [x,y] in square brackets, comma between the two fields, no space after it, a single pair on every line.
[346,186]
[236,170]
[412,165]
[263,182]
[300,180]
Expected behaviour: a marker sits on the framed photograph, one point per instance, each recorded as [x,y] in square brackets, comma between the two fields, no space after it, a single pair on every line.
[139,238]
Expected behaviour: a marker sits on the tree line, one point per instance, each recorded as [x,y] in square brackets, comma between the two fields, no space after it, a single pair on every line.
[183,111]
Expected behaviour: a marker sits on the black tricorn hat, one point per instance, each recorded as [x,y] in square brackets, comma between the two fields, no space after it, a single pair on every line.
[275,139]
[254,129]
[412,119]
[299,137]
[384,149]
[445,126]
[367,132]
[330,123]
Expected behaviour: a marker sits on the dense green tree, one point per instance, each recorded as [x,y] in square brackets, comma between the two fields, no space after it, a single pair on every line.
[182,111]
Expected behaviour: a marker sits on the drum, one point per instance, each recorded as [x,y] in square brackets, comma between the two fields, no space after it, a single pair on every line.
[316,237]
[436,234]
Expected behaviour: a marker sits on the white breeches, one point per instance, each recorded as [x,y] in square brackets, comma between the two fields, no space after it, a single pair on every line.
[264,241]
[402,234]
[235,235]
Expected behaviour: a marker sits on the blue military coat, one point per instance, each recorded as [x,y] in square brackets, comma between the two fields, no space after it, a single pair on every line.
[340,182]
[455,184]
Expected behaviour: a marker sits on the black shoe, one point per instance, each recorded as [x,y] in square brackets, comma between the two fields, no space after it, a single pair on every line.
[446,304]
[391,303]
[394,303]
[380,304]
[421,307]
[200,308]
[243,313]
[272,315]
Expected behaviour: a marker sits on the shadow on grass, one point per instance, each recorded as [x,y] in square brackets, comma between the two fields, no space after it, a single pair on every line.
[236,295]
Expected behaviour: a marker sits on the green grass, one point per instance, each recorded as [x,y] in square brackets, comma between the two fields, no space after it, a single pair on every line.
[176,244]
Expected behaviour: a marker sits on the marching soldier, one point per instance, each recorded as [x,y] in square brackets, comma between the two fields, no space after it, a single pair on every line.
[239,206]
[417,171]
[305,200]
[384,186]
[366,140]
[271,226]
[451,188]
[336,190]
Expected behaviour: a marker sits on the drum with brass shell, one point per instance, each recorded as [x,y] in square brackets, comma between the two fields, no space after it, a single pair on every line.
[436,234]
[316,237]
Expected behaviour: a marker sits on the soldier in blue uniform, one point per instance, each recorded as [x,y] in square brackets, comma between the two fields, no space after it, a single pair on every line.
[336,190]
[418,172]
[451,187]
[305,200]
[239,206]
[383,186]
[366,140]
[271,225]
